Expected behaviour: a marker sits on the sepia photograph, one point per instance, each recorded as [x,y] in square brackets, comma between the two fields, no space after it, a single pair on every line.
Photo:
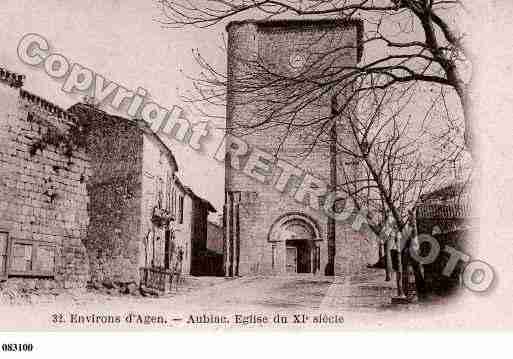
[254,164]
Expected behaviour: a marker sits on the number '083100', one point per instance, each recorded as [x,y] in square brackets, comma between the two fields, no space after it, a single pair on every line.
[16,347]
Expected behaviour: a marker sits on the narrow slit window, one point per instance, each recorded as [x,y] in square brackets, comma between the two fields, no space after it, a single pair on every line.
[180,209]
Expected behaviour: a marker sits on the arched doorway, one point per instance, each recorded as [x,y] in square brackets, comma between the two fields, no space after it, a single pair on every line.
[298,235]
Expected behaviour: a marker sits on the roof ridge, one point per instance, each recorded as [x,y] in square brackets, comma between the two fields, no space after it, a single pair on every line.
[296,21]
[142,125]
[12,78]
[47,105]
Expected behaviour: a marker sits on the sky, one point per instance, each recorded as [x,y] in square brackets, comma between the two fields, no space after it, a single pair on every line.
[120,40]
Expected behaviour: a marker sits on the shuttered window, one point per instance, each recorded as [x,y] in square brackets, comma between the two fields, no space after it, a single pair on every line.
[31,258]
[21,257]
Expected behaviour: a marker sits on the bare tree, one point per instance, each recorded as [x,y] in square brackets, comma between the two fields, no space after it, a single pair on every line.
[412,40]
[394,169]
[395,114]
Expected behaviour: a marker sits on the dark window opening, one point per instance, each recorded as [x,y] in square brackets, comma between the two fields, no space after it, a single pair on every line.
[180,209]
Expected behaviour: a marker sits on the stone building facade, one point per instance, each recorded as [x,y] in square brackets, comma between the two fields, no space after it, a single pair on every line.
[43,196]
[85,195]
[268,231]
[132,176]
[190,228]
[141,215]
[215,234]
[180,204]
[203,262]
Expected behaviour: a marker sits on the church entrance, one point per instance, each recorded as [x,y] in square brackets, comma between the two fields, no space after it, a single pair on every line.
[299,256]
[291,262]
[299,237]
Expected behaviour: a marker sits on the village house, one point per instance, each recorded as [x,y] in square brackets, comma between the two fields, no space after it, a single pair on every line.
[131,169]
[145,224]
[213,253]
[202,261]
[89,196]
[215,237]
[43,196]
[191,229]
[446,214]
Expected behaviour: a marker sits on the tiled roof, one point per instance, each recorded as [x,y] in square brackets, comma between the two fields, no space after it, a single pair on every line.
[191,193]
[450,201]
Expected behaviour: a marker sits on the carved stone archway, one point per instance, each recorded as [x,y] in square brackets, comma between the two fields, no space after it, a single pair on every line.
[297,235]
[294,226]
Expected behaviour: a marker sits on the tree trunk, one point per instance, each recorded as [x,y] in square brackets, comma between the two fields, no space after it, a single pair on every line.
[399,277]
[388,260]
[420,283]
[467,105]
[405,257]
[330,268]
[418,270]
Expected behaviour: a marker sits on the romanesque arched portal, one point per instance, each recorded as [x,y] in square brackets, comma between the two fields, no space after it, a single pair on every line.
[298,234]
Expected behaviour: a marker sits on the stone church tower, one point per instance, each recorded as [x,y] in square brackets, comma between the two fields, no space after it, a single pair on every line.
[271,226]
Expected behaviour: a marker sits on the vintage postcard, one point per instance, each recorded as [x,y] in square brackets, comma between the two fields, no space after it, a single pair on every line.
[212,164]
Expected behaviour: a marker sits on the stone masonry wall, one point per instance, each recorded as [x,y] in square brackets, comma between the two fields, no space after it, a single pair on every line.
[131,171]
[115,149]
[275,46]
[43,196]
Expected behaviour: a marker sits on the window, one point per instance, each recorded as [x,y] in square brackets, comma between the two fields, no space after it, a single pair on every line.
[3,255]
[273,247]
[31,258]
[21,257]
[180,209]
[339,204]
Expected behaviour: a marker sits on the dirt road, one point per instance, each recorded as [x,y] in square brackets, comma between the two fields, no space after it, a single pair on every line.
[207,302]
